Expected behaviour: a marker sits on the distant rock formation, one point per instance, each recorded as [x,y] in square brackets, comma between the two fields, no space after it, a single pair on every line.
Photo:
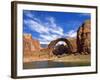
[30,44]
[84,37]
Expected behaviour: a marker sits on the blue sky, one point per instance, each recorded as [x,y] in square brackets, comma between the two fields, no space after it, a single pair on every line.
[47,26]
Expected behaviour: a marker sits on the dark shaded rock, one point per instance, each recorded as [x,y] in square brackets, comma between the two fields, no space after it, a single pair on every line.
[60,49]
[84,37]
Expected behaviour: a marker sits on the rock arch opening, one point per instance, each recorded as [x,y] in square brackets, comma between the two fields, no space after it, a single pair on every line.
[62,48]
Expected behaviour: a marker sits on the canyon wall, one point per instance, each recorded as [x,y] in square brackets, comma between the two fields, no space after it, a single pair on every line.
[30,44]
[84,37]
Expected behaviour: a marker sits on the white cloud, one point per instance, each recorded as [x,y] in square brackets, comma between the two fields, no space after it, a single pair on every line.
[48,31]
[35,26]
[57,30]
[71,33]
[50,19]
[54,28]
[29,14]
[49,27]
[48,38]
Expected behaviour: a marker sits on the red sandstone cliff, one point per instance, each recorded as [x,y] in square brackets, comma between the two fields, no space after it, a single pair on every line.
[73,43]
[84,37]
[30,44]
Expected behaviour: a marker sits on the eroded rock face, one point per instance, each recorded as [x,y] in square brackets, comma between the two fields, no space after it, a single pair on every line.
[84,37]
[27,38]
[30,44]
[73,43]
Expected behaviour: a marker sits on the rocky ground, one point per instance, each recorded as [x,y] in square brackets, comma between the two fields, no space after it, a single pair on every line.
[44,61]
[61,58]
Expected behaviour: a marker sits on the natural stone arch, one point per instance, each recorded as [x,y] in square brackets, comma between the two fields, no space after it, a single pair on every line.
[54,42]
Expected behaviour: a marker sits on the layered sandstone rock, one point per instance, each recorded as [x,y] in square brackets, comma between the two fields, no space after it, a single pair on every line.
[84,37]
[30,44]
[27,38]
[73,42]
